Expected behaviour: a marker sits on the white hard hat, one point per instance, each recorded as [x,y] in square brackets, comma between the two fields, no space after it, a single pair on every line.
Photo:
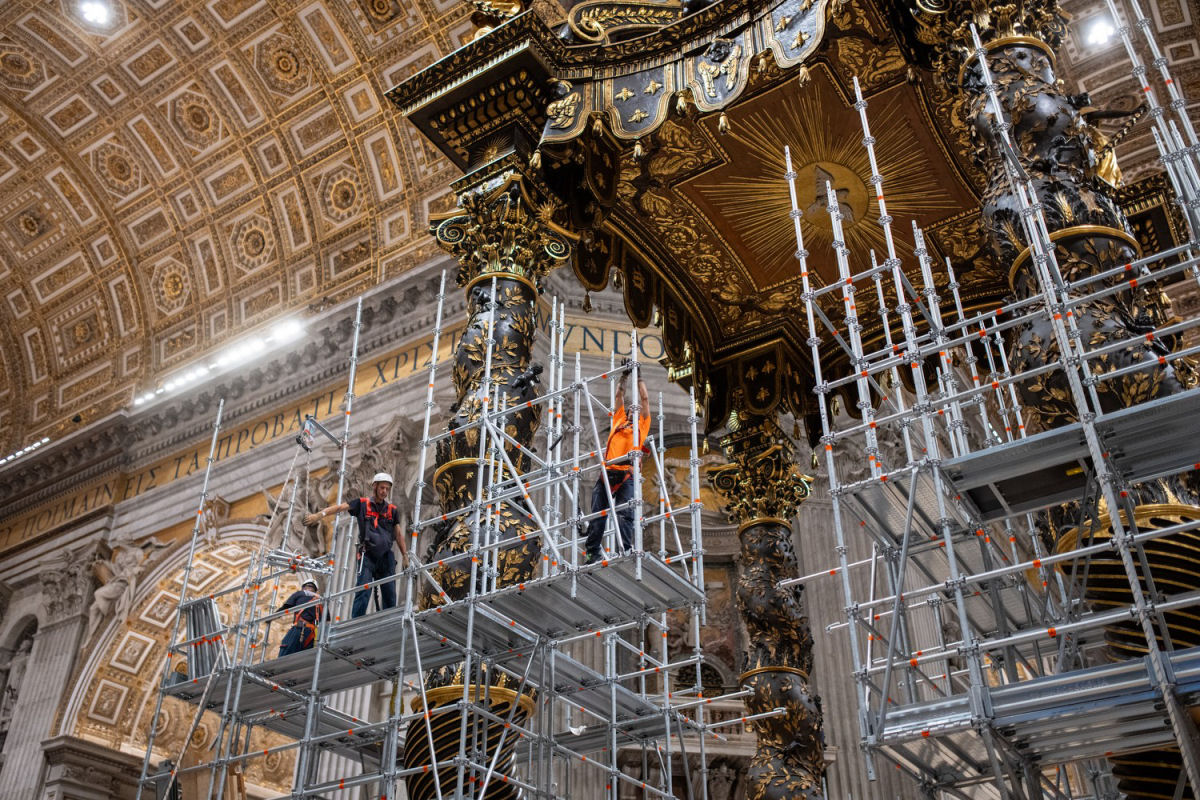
[382,477]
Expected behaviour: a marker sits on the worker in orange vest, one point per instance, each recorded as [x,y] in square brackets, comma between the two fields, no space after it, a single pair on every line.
[618,471]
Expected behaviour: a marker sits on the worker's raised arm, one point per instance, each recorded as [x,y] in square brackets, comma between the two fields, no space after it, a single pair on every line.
[317,516]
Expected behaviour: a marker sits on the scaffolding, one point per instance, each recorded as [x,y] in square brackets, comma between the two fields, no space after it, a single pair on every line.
[586,645]
[978,643]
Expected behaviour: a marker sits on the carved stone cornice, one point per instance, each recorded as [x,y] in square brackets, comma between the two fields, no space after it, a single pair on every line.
[55,468]
[77,767]
[128,438]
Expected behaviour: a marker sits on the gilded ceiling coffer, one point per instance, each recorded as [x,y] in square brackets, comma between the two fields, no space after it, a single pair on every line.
[765,488]
[1074,175]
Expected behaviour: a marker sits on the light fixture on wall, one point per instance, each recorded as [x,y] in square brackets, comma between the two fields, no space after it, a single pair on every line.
[240,352]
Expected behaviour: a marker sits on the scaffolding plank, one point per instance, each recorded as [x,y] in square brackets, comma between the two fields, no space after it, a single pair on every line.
[274,707]
[1146,440]
[1087,713]
[505,624]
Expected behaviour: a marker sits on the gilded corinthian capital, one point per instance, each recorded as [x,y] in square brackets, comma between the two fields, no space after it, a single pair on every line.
[762,481]
[505,227]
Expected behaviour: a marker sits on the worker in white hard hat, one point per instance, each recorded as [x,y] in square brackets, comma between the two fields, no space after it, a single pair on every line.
[378,526]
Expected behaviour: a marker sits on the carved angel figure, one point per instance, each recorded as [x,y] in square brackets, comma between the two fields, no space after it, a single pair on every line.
[118,576]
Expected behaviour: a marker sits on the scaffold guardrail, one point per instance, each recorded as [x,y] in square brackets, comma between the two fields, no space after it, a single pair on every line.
[979,646]
[588,643]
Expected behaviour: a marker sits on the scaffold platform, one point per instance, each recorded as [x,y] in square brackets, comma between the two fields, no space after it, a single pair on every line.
[509,626]
[1024,609]
[1087,713]
[1046,469]
[587,645]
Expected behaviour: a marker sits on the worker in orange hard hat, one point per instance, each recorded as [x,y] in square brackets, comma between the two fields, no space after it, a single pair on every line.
[378,526]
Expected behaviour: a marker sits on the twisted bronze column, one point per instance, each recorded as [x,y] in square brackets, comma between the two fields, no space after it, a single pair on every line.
[764,489]
[505,242]
[1073,175]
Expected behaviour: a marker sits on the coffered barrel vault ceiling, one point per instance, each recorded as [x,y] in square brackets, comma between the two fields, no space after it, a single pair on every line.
[190,171]
[197,168]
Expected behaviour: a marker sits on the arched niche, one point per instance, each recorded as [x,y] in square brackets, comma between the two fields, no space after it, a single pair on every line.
[114,693]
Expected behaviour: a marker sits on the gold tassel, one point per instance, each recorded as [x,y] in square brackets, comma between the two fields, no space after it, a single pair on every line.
[681,105]
[535,160]
[723,124]
[638,152]
[597,127]
[815,464]
[587,301]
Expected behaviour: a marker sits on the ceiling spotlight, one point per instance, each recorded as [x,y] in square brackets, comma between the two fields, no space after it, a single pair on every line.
[169,385]
[1099,32]
[95,12]
[137,401]
[44,440]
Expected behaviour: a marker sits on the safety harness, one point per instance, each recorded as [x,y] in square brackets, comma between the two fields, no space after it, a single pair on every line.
[374,515]
[308,628]
[367,512]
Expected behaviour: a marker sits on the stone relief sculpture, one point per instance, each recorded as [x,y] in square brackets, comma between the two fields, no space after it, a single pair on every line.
[720,782]
[16,676]
[308,539]
[118,576]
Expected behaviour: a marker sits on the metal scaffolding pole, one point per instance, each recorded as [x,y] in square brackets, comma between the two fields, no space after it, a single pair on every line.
[521,636]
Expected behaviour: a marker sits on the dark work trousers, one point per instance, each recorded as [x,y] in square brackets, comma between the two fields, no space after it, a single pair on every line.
[299,637]
[621,483]
[373,569]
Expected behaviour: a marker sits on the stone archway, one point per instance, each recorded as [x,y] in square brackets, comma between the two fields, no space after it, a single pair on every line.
[113,698]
